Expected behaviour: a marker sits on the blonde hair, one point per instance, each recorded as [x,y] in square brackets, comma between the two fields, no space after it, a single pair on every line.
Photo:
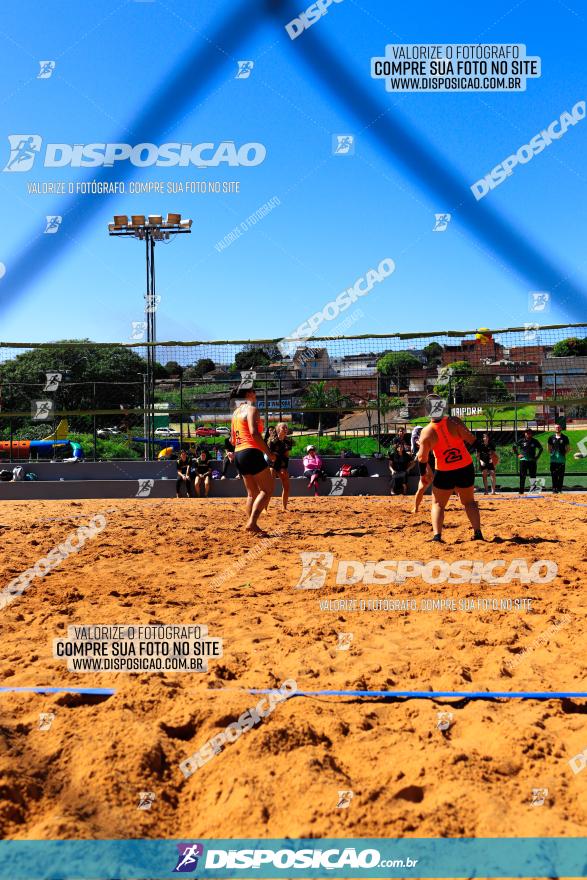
[280,425]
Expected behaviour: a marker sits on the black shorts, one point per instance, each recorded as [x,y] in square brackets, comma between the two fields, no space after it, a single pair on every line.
[460,478]
[250,462]
[280,464]
[487,466]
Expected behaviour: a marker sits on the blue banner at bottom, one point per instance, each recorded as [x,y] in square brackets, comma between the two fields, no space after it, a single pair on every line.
[354,857]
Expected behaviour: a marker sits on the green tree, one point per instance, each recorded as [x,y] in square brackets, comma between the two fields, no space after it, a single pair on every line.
[252,357]
[467,385]
[200,368]
[398,365]
[172,368]
[433,354]
[116,370]
[570,347]
[320,399]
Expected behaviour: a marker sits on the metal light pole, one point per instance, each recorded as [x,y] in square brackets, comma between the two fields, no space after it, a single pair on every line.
[150,229]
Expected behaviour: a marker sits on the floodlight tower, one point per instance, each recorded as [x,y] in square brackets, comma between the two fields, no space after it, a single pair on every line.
[150,230]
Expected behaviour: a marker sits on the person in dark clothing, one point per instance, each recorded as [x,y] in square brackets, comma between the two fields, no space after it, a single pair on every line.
[401,462]
[201,472]
[558,447]
[529,451]
[280,445]
[487,457]
[183,474]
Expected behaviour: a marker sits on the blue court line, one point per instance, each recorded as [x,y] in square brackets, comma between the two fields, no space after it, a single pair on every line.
[432,695]
[106,692]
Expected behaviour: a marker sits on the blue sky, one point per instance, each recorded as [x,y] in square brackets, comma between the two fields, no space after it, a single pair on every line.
[337,217]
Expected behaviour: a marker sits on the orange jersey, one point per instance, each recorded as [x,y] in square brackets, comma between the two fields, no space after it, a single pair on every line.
[241,436]
[450,452]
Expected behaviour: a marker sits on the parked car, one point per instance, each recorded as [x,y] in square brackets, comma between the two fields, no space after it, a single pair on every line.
[206,432]
[223,430]
[105,433]
[166,432]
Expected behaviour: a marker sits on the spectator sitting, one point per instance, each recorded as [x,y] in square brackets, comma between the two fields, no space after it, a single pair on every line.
[202,472]
[401,461]
[183,474]
[313,467]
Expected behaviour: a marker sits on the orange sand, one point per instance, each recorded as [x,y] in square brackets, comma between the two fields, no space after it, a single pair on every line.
[155,561]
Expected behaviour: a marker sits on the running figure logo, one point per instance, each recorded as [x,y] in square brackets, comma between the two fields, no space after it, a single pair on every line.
[436,407]
[138,329]
[41,410]
[344,641]
[23,151]
[441,222]
[343,144]
[536,485]
[443,720]
[244,69]
[52,381]
[337,486]
[531,332]
[146,800]
[145,487]
[315,568]
[187,860]
[539,796]
[344,800]
[53,223]
[152,301]
[46,719]
[539,301]
[46,71]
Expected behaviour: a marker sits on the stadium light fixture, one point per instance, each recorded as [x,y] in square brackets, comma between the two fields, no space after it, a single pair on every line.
[150,230]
